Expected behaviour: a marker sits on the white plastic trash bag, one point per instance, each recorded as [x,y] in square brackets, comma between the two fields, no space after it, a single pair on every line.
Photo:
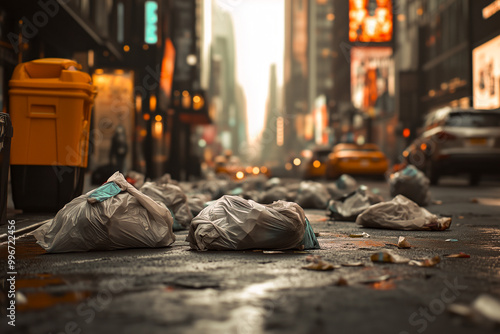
[401,214]
[312,195]
[233,223]
[174,198]
[106,220]
[411,183]
[350,206]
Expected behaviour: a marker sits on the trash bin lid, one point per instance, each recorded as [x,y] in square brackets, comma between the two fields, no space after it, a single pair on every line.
[48,73]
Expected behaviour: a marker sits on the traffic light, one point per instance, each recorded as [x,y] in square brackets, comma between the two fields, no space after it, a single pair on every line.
[151,22]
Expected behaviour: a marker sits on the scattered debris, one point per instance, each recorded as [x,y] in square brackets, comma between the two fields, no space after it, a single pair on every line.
[388,256]
[426,263]
[342,282]
[403,243]
[459,255]
[376,279]
[402,213]
[359,235]
[317,263]
[437,202]
[484,310]
[451,240]
[353,264]
[272,252]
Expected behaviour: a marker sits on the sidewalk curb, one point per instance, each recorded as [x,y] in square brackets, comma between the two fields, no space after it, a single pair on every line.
[22,231]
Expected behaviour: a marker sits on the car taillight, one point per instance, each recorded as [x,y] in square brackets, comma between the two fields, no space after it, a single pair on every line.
[443,136]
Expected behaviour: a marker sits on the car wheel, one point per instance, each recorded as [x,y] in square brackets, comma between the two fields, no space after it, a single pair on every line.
[431,173]
[474,179]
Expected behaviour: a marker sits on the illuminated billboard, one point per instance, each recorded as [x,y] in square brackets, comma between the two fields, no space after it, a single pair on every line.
[372,80]
[370,20]
[486,74]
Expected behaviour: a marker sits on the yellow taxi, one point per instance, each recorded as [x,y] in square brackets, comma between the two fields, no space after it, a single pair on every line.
[354,159]
[316,165]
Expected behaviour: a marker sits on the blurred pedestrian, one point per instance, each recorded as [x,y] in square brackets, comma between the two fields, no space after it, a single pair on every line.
[119,149]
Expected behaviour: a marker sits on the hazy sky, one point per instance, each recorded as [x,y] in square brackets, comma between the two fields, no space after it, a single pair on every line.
[259,31]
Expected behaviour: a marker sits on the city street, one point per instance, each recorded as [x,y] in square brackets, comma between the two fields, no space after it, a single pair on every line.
[177,290]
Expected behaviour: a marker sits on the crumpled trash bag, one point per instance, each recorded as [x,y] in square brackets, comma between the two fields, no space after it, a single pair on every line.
[129,219]
[346,182]
[233,223]
[197,203]
[312,195]
[344,185]
[412,183]
[274,194]
[273,182]
[402,213]
[216,188]
[174,198]
[254,195]
[350,206]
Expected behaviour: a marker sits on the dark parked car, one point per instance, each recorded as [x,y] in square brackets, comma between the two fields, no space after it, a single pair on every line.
[457,141]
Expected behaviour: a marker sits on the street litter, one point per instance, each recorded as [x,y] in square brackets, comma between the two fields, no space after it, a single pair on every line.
[402,214]
[312,195]
[484,309]
[459,255]
[197,203]
[349,206]
[135,178]
[276,193]
[233,223]
[345,184]
[359,235]
[426,263]
[316,263]
[437,202]
[173,198]
[129,219]
[353,264]
[411,183]
[342,282]
[387,256]
[403,243]
[451,240]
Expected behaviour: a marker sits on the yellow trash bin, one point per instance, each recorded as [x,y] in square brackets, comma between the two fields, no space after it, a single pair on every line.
[50,107]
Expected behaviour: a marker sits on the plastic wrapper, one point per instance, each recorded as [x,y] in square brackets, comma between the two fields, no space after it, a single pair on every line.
[136,179]
[129,219]
[233,223]
[312,195]
[402,214]
[411,183]
[388,256]
[350,206]
[174,198]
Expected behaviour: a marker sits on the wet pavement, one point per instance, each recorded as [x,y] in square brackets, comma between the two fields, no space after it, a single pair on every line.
[176,290]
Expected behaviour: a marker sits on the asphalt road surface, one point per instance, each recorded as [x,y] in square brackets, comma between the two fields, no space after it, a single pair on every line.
[176,290]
